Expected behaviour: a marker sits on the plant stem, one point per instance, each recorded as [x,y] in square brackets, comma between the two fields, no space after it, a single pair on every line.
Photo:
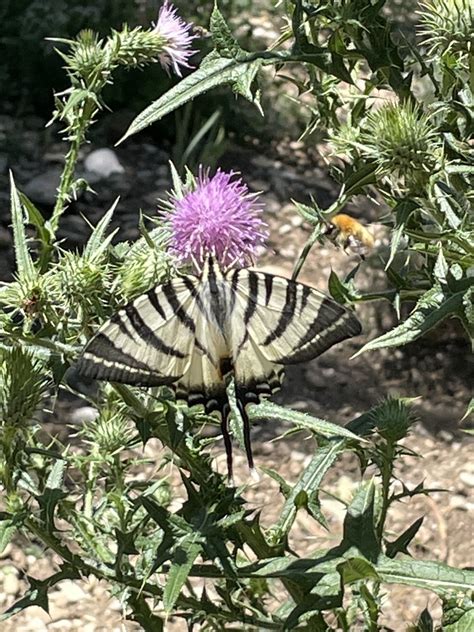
[386,473]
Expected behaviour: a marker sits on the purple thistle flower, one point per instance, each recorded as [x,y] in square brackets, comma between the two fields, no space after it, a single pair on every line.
[177,39]
[220,218]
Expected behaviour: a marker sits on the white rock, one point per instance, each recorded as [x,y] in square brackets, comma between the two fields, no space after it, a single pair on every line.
[103,162]
[11,583]
[83,415]
[33,624]
[71,592]
[467,478]
[283,230]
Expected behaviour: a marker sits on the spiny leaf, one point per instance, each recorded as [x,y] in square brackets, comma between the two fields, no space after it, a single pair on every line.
[355,569]
[403,211]
[400,544]
[432,308]
[267,410]
[24,263]
[359,523]
[97,242]
[7,530]
[183,559]
[434,576]
[214,71]
[223,40]
[306,485]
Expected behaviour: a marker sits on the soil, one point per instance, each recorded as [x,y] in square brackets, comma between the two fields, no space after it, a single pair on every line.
[436,370]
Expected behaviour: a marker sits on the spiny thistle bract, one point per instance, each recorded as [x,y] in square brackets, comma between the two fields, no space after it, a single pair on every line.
[143,266]
[84,284]
[393,419]
[401,141]
[447,25]
[23,386]
[112,430]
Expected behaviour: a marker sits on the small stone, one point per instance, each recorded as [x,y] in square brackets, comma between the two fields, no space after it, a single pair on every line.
[297,221]
[70,592]
[345,488]
[103,162]
[11,583]
[467,478]
[61,624]
[283,230]
[82,415]
[33,624]
[43,187]
[457,501]
[259,185]
[333,508]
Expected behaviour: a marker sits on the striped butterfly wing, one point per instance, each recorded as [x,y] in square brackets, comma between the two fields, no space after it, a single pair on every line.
[159,339]
[277,321]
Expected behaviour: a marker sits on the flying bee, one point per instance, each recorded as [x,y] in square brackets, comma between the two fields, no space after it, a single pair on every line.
[343,230]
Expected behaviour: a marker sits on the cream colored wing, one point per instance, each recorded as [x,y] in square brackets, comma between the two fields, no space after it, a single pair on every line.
[276,321]
[159,339]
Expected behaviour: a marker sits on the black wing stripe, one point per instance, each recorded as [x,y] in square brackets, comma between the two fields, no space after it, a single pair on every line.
[102,349]
[252,298]
[217,306]
[286,316]
[268,287]
[233,289]
[153,298]
[117,320]
[305,294]
[325,331]
[178,309]
[328,316]
[191,286]
[148,335]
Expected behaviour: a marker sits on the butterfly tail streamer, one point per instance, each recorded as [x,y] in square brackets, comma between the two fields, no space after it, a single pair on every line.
[227,439]
[246,429]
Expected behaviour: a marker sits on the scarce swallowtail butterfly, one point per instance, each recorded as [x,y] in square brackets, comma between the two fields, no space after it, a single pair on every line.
[195,333]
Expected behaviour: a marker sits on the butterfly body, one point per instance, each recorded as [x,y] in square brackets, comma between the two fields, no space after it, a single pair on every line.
[194,333]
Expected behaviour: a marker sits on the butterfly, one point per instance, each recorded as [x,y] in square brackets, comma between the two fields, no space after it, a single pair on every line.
[195,334]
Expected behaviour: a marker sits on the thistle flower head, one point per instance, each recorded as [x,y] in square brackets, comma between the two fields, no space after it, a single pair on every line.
[177,38]
[393,419]
[218,217]
[400,139]
[447,25]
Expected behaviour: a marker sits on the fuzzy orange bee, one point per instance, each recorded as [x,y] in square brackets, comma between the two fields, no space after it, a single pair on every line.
[346,231]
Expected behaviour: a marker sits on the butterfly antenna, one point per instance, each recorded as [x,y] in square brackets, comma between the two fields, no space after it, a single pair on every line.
[247,442]
[227,440]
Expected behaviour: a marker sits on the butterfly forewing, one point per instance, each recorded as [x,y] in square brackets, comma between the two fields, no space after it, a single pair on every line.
[138,345]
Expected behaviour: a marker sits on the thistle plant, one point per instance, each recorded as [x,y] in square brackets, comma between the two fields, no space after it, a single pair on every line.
[90,65]
[95,500]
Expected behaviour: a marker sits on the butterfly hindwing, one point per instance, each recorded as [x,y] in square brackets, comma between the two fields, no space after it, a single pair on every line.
[284,322]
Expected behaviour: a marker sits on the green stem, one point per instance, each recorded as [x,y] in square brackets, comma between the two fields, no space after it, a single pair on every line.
[386,472]
[313,238]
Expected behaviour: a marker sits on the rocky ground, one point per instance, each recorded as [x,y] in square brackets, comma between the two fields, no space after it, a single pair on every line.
[334,386]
